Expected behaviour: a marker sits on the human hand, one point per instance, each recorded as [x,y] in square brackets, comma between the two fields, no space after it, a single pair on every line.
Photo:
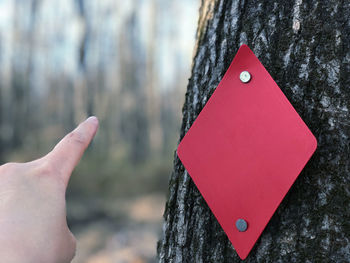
[33,226]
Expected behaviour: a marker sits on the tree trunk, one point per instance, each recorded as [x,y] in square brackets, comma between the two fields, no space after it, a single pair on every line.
[305,45]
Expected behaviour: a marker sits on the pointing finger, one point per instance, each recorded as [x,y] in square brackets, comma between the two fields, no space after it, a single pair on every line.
[67,153]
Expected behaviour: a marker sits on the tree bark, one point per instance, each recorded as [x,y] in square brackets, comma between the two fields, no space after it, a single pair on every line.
[305,46]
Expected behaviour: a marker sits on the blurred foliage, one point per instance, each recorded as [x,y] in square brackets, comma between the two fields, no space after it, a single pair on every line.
[116,177]
[127,62]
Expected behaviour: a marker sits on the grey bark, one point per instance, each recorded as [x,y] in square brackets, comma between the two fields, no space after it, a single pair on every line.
[305,45]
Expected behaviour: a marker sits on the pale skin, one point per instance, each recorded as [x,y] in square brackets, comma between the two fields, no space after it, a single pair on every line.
[33,225]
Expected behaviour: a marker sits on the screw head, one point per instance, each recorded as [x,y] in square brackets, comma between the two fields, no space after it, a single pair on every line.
[241,225]
[245,76]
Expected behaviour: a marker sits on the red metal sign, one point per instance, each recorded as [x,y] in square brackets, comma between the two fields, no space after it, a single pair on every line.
[245,150]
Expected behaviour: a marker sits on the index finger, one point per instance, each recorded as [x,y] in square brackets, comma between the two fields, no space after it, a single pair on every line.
[68,152]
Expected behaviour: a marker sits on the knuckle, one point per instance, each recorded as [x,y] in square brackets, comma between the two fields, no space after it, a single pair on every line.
[78,137]
[72,245]
[8,167]
[46,168]
[73,242]
[49,170]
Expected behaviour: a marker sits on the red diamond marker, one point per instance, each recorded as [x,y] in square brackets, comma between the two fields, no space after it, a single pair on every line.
[245,150]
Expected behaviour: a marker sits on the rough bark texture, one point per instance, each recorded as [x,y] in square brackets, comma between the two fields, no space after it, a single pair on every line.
[305,45]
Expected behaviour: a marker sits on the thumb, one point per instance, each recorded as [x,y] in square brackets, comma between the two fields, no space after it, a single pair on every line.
[67,153]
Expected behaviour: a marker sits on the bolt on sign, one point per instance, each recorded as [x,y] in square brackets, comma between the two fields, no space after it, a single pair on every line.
[245,150]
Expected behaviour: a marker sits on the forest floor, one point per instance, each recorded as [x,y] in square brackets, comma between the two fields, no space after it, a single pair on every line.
[121,230]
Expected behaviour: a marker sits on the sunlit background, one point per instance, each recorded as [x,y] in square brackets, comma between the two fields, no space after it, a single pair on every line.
[125,61]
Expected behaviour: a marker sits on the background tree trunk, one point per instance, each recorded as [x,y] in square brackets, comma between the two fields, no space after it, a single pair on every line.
[305,45]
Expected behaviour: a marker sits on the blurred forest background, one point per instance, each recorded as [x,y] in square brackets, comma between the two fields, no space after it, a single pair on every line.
[127,62]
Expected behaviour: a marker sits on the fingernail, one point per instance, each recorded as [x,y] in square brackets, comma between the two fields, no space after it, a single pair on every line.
[92,119]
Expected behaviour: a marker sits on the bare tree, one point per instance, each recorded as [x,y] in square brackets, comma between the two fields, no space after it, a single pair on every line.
[305,45]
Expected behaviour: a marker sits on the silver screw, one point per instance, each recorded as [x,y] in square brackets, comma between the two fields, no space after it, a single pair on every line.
[241,225]
[245,76]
